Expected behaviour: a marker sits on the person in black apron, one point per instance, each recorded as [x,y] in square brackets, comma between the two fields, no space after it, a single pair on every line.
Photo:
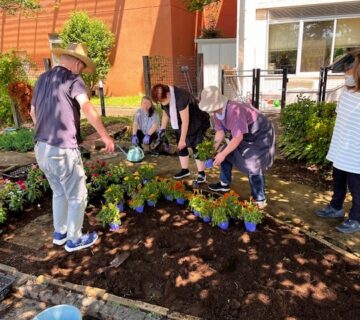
[251,147]
[188,122]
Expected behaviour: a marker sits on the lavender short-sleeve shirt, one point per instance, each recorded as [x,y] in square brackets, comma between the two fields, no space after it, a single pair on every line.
[56,110]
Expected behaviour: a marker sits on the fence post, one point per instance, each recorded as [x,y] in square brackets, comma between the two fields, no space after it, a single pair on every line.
[146,71]
[47,64]
[222,81]
[323,98]
[253,88]
[102,100]
[257,92]
[321,75]
[199,73]
[284,87]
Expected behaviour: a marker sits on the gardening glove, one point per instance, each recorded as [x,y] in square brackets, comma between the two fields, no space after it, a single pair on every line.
[134,139]
[161,134]
[146,139]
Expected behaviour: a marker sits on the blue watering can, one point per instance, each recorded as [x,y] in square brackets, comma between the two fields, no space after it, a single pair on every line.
[135,154]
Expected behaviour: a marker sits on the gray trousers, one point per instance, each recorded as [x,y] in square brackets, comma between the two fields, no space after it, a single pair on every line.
[65,172]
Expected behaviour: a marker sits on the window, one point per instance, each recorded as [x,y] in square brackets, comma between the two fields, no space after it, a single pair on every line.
[283,42]
[54,42]
[319,45]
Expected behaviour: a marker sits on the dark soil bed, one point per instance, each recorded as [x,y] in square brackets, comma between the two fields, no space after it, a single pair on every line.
[181,263]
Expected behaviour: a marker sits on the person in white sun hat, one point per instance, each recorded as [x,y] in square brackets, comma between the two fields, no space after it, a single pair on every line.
[251,147]
[58,96]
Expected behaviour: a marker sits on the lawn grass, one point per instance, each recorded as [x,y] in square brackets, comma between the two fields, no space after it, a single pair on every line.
[129,102]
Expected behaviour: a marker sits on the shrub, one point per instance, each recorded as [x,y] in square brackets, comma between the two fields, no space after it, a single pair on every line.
[21,140]
[306,130]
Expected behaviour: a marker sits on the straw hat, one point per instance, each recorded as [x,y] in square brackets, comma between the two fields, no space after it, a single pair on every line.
[79,51]
[211,99]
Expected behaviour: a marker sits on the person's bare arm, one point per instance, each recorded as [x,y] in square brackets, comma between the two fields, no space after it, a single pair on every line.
[232,145]
[184,115]
[95,120]
[32,114]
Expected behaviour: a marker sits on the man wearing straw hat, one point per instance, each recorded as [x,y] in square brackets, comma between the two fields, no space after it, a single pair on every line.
[58,96]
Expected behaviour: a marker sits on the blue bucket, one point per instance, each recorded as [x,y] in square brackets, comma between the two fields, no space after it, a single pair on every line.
[60,312]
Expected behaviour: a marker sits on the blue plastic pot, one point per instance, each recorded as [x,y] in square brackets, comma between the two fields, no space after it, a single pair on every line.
[180,201]
[121,206]
[150,203]
[206,219]
[145,181]
[224,225]
[114,226]
[169,198]
[250,226]
[140,209]
[209,163]
[196,213]
[60,312]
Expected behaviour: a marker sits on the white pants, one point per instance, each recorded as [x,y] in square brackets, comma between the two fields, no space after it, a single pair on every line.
[65,172]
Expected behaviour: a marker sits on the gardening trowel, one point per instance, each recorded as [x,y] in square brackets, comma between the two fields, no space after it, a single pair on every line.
[115,263]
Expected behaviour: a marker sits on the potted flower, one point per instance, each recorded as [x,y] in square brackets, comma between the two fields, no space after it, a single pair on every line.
[117,172]
[166,187]
[219,215]
[151,193]
[251,214]
[198,204]
[131,183]
[205,152]
[208,206]
[230,201]
[115,194]
[137,202]
[146,172]
[179,192]
[110,214]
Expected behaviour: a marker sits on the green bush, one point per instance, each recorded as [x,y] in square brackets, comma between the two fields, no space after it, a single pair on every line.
[98,38]
[307,129]
[21,140]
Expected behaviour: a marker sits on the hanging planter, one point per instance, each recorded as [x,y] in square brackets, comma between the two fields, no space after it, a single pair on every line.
[250,226]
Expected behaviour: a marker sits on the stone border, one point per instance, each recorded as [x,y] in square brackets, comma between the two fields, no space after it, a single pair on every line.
[97,293]
[315,236]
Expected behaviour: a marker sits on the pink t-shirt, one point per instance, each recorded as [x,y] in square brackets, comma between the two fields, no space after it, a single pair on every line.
[238,117]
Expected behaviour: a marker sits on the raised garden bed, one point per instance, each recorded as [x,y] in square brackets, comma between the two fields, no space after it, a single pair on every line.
[179,262]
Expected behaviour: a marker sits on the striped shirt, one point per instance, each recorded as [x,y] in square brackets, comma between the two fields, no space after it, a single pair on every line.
[344,149]
[145,122]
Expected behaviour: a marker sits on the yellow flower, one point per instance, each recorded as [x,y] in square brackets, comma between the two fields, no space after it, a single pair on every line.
[126,178]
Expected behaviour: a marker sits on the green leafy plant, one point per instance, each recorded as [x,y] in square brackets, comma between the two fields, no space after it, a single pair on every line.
[20,140]
[150,191]
[198,202]
[36,184]
[114,194]
[97,36]
[2,214]
[98,182]
[307,130]
[137,200]
[146,172]
[13,6]
[205,150]
[117,172]
[131,183]
[250,212]
[109,213]
[13,195]
[178,190]
[230,201]
[218,213]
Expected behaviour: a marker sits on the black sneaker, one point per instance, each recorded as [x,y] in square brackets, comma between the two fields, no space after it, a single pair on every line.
[182,174]
[201,178]
[219,187]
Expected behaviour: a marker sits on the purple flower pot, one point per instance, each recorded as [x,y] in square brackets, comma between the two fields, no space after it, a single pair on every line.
[114,226]
[209,163]
[250,226]
[180,201]
[140,209]
[169,198]
[206,219]
[145,181]
[196,213]
[121,206]
[224,225]
[150,203]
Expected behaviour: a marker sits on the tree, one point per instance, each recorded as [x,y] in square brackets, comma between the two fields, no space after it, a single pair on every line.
[197,5]
[12,6]
[98,38]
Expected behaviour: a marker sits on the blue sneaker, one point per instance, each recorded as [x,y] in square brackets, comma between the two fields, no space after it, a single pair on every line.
[330,212]
[349,226]
[83,242]
[59,238]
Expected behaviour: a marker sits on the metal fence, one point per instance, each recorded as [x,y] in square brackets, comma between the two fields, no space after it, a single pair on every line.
[181,71]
